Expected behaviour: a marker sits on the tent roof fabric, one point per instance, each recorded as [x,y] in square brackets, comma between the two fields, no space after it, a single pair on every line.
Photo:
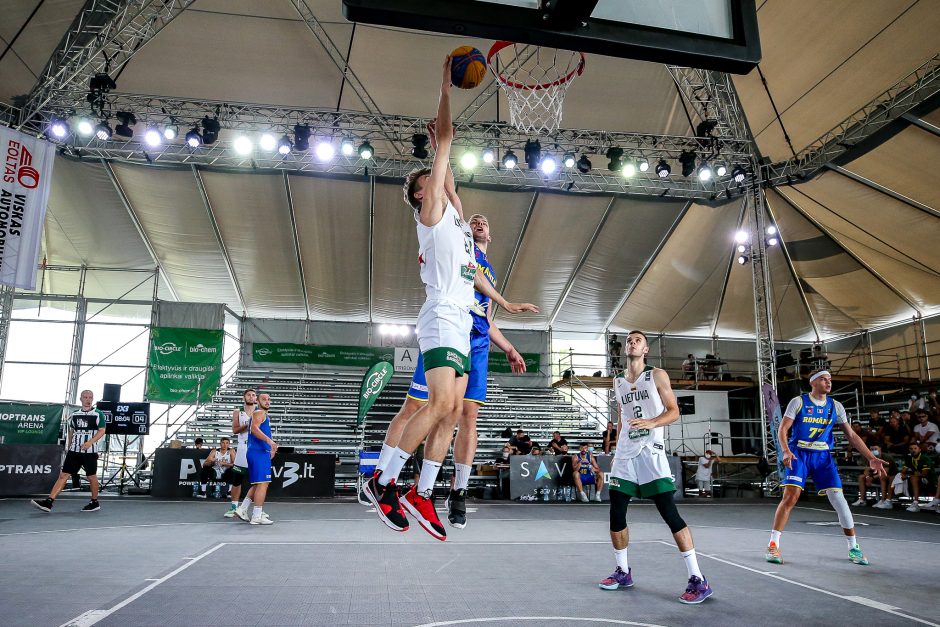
[858,240]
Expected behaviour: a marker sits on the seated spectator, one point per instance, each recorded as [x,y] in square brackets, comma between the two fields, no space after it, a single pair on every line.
[520,443]
[536,450]
[907,420]
[865,434]
[895,436]
[921,475]
[898,488]
[503,456]
[217,467]
[868,477]
[926,433]
[916,403]
[875,424]
[198,445]
[610,438]
[555,444]
[703,474]
[689,366]
[587,472]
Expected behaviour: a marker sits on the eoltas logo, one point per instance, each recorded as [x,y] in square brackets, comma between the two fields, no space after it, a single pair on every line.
[167,348]
[199,348]
[542,472]
[18,166]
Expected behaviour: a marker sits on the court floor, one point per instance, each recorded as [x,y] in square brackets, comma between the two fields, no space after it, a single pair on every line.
[140,561]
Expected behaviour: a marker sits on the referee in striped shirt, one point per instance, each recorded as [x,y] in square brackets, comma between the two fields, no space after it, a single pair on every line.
[86,428]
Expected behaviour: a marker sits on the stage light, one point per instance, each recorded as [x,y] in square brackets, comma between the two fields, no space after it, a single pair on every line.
[385,329]
[267,142]
[584,164]
[325,151]
[568,160]
[738,174]
[721,169]
[242,145]
[741,237]
[771,230]
[58,128]
[687,159]
[210,130]
[468,160]
[346,147]
[127,120]
[285,146]
[419,141]
[615,159]
[153,137]
[489,155]
[403,330]
[509,160]
[662,169]
[742,248]
[170,131]
[548,165]
[643,164]
[193,138]
[365,150]
[533,153]
[629,168]
[772,241]
[85,127]
[302,137]
[742,259]
[103,130]
[705,172]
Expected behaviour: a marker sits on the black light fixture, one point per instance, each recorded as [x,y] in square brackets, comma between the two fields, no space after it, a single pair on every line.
[743,259]
[194,137]
[615,157]
[705,172]
[210,130]
[170,131]
[103,130]
[127,120]
[488,155]
[568,160]
[99,85]
[738,174]
[662,169]
[284,146]
[705,132]
[365,150]
[419,141]
[721,169]
[643,164]
[302,137]
[509,160]
[533,153]
[687,159]
[58,128]
[584,164]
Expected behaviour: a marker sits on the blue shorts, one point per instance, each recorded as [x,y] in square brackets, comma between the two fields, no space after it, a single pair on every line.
[820,465]
[476,384]
[259,466]
[587,479]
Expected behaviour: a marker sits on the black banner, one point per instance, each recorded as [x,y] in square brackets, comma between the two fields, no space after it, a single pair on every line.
[175,470]
[29,468]
[125,418]
[537,478]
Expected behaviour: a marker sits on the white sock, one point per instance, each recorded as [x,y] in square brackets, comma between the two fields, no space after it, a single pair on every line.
[385,455]
[582,493]
[461,476]
[621,556]
[775,536]
[429,471]
[395,464]
[691,563]
[246,504]
[202,487]
[851,541]
[256,512]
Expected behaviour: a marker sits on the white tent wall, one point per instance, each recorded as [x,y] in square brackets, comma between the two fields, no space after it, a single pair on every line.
[932,328]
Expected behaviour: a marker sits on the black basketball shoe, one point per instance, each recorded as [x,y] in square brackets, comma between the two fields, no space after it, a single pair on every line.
[457,508]
[386,502]
[92,506]
[43,504]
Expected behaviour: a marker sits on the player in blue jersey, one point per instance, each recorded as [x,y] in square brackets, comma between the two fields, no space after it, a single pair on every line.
[261,450]
[807,452]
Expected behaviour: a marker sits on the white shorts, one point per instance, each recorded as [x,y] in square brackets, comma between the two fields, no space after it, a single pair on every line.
[643,476]
[444,324]
[241,455]
[704,484]
[899,485]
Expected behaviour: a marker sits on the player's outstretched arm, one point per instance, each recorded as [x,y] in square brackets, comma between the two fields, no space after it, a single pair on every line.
[450,185]
[878,465]
[516,362]
[484,287]
[432,210]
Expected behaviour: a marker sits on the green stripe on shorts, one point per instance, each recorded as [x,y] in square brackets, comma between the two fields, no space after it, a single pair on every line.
[240,470]
[644,491]
[445,357]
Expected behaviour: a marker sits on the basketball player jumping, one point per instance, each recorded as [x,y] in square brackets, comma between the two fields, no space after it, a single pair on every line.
[448,270]
[241,423]
[640,467]
[810,419]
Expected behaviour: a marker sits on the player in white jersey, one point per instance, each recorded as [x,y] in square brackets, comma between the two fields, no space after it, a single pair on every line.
[640,467]
[448,271]
[241,423]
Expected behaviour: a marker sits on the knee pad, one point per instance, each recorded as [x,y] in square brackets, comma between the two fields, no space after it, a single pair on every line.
[838,502]
[618,510]
[667,509]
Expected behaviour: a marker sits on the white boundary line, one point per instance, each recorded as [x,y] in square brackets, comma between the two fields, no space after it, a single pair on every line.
[574,619]
[916,522]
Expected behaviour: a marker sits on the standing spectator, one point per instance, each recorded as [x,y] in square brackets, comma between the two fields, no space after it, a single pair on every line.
[689,367]
[86,428]
[555,444]
[217,467]
[867,477]
[521,443]
[926,433]
[610,438]
[587,472]
[615,352]
[895,436]
[703,475]
[921,474]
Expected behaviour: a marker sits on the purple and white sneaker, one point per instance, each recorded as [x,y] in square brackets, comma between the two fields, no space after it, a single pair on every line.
[697,591]
[618,579]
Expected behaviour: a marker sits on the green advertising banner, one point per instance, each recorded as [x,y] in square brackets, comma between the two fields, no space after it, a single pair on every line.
[182,361]
[29,423]
[499,363]
[358,356]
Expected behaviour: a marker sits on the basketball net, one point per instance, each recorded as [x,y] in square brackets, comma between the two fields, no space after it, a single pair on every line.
[535,80]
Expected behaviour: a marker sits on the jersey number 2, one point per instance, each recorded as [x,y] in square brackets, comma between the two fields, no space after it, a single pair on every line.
[637,411]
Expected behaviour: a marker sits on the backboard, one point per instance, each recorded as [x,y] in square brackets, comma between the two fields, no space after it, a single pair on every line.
[711,34]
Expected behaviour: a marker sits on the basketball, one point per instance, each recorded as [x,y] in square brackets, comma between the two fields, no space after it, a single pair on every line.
[468,67]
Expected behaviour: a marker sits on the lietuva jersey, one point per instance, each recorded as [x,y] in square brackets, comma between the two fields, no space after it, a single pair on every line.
[83,426]
[445,254]
[481,324]
[257,444]
[638,400]
[813,422]
[241,458]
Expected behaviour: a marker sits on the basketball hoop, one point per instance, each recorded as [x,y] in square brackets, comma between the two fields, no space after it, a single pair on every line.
[535,80]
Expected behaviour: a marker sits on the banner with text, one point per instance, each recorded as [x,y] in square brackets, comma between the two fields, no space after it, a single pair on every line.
[356,356]
[24,194]
[499,363]
[183,362]
[29,423]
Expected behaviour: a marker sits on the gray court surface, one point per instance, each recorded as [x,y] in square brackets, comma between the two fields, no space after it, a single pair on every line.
[141,561]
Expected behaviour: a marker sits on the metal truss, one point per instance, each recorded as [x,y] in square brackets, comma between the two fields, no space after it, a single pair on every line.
[915,88]
[103,37]
[713,97]
[9,115]
[6,312]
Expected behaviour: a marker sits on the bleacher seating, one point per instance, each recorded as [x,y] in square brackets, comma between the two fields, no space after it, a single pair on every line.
[315,411]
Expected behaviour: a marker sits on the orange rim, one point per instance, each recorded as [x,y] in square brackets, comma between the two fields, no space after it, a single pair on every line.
[500,45]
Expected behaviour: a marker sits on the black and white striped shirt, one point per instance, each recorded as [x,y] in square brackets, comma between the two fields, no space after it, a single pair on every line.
[83,426]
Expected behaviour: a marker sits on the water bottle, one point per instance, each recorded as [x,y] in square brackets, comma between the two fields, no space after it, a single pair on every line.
[218,490]
[545,494]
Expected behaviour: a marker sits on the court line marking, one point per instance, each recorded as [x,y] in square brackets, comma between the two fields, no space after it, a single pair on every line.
[575,619]
[916,522]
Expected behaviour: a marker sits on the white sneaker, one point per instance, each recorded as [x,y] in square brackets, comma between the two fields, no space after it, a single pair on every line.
[243,514]
[261,520]
[597,496]
[230,513]
[583,497]
[914,507]
[880,505]
[932,504]
[859,503]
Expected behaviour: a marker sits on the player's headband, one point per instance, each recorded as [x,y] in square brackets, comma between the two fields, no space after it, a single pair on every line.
[821,373]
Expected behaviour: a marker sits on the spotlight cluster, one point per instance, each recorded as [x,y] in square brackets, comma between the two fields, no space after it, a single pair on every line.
[395,330]
[742,240]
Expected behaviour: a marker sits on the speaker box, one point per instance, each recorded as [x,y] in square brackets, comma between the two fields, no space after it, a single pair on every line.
[112,392]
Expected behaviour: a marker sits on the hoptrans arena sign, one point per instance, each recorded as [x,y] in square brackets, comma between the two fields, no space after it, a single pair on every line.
[29,423]
[183,362]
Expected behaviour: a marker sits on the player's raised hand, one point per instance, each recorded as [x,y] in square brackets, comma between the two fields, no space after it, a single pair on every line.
[878,465]
[516,362]
[432,133]
[788,458]
[515,308]
[445,82]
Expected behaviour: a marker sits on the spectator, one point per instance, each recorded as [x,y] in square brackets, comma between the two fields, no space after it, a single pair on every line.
[587,472]
[556,443]
[867,478]
[536,450]
[197,444]
[615,351]
[926,433]
[875,424]
[566,478]
[916,403]
[865,434]
[503,456]
[217,467]
[895,437]
[907,421]
[610,438]
[689,366]
[933,403]
[921,475]
[703,475]
[521,443]
[898,488]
